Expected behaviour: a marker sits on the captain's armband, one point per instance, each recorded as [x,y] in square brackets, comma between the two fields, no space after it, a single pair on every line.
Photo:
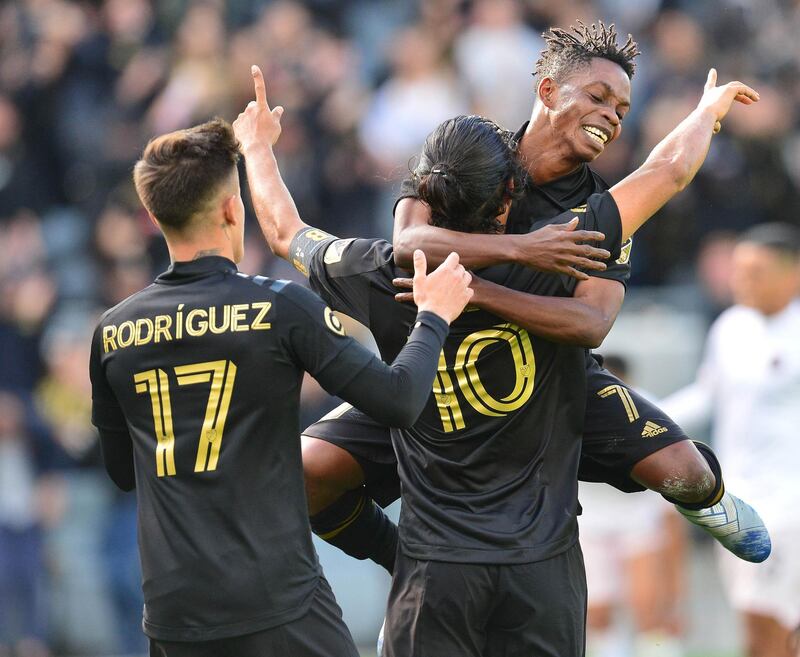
[303,246]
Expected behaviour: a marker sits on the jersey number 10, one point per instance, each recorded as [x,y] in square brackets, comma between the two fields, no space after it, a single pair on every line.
[469,381]
[221,374]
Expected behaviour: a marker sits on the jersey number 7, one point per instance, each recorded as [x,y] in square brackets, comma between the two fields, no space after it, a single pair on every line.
[221,374]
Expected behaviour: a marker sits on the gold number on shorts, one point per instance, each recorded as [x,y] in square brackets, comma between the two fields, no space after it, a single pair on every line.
[625,398]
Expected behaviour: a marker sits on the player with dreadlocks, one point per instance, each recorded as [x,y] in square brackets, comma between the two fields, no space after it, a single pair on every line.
[582,97]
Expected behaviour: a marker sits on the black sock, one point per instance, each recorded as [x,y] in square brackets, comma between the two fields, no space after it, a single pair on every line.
[719,487]
[358,526]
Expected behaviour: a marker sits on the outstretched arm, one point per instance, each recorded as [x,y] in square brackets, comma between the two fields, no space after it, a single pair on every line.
[673,163]
[257,129]
[554,248]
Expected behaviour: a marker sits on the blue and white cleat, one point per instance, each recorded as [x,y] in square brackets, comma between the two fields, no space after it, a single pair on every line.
[736,525]
[380,639]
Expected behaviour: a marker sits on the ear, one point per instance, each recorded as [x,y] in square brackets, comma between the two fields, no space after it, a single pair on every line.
[229,210]
[153,219]
[547,91]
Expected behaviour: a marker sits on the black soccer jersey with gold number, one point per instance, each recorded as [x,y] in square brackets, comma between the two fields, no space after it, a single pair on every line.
[201,372]
[489,471]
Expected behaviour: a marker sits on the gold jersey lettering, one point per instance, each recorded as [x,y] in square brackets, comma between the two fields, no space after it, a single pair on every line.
[263,308]
[109,333]
[202,325]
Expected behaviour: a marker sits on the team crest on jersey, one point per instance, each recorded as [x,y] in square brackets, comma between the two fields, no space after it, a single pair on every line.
[333,322]
[335,250]
[625,252]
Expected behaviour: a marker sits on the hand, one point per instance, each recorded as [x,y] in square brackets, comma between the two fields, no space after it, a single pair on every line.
[445,291]
[555,248]
[718,100]
[476,284]
[258,124]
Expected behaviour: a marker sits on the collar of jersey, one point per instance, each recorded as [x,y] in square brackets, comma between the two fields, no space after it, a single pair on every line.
[180,272]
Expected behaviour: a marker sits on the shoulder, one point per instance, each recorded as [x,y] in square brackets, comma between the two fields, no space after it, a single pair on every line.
[125,306]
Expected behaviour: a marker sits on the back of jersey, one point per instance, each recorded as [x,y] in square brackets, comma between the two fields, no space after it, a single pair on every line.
[489,470]
[202,367]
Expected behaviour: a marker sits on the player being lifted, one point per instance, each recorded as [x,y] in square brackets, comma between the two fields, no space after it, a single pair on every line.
[582,96]
[489,470]
[195,390]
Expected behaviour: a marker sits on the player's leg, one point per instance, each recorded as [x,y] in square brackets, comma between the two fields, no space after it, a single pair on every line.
[540,608]
[350,473]
[633,445]
[765,636]
[437,608]
[766,594]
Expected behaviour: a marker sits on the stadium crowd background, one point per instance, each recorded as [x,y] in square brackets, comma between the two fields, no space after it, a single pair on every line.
[84,84]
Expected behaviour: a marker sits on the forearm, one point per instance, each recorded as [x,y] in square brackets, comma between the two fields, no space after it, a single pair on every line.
[396,394]
[273,204]
[669,168]
[560,319]
[475,251]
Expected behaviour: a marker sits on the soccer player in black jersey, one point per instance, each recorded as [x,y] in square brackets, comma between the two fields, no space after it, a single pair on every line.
[583,94]
[489,557]
[195,391]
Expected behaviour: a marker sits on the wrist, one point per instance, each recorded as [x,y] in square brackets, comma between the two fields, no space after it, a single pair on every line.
[256,148]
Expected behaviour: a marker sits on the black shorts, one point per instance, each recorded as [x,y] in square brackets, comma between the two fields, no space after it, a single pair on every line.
[621,428]
[321,632]
[439,609]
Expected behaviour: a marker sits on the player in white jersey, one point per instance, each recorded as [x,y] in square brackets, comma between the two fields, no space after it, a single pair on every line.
[749,386]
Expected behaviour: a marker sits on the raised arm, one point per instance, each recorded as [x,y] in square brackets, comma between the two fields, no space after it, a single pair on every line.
[676,159]
[554,248]
[257,129]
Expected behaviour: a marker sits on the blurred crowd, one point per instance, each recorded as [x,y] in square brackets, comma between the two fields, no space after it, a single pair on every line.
[85,83]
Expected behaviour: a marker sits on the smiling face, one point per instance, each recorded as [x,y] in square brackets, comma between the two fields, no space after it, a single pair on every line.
[587,107]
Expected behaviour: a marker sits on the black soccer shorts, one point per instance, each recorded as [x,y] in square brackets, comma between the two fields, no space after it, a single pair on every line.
[621,428]
[443,609]
[320,632]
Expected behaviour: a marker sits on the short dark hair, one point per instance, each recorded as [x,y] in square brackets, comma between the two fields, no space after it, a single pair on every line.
[181,171]
[464,173]
[568,49]
[778,236]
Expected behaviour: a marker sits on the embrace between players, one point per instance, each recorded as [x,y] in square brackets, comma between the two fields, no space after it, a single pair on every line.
[486,560]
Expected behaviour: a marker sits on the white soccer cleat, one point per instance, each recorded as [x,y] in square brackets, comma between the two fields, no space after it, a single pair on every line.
[736,525]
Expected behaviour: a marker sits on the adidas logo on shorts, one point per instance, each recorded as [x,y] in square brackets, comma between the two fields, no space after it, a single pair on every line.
[652,429]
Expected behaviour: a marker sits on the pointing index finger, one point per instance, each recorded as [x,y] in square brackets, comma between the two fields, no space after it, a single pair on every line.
[261,87]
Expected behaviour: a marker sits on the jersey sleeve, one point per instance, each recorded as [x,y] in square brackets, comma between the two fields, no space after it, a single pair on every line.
[407,190]
[107,416]
[316,338]
[394,395]
[341,270]
[602,214]
[106,411]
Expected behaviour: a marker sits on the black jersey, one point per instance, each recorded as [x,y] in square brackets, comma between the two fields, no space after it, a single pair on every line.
[201,373]
[489,471]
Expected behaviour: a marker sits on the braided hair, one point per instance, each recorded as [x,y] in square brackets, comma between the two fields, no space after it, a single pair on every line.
[466,172]
[566,50]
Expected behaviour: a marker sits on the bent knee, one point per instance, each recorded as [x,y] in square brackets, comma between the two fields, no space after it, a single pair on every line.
[678,471]
[328,471]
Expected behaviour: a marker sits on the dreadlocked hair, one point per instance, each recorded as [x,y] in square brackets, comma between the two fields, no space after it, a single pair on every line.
[568,49]
[466,172]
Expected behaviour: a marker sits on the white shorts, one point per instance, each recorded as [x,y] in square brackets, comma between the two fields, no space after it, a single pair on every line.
[614,528]
[771,588]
